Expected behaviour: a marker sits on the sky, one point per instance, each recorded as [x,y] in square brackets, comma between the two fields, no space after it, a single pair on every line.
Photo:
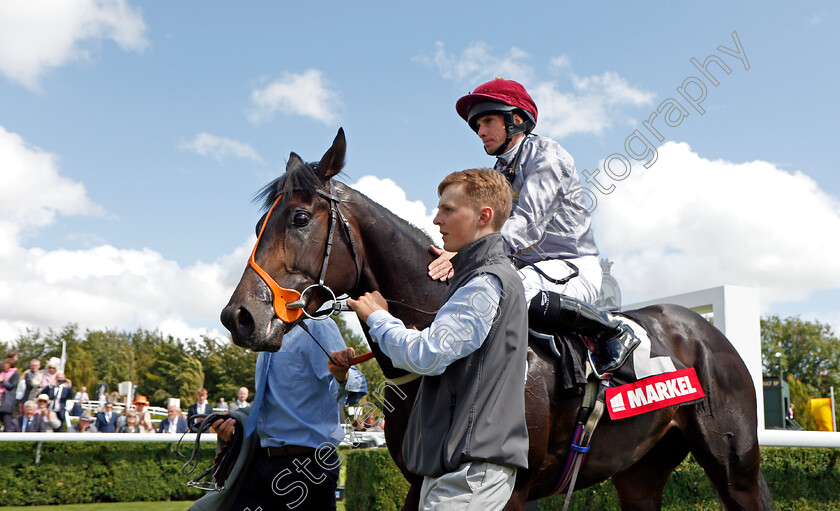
[133,137]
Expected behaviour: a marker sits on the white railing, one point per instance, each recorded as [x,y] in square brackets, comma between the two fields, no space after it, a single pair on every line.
[157,413]
[103,437]
[783,438]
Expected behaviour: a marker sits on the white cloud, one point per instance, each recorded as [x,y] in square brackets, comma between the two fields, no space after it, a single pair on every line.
[477,63]
[305,94]
[387,193]
[589,108]
[560,64]
[106,287]
[689,223]
[99,287]
[220,148]
[36,35]
[33,192]
[587,105]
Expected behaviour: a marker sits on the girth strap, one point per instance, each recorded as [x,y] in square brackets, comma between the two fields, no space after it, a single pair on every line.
[591,411]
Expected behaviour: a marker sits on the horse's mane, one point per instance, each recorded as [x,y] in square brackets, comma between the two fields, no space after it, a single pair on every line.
[303,178]
[299,178]
[412,230]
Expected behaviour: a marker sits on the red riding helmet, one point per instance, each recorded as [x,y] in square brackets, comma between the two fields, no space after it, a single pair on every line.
[499,96]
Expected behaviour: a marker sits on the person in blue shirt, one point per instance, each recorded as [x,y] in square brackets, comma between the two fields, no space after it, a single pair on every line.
[293,426]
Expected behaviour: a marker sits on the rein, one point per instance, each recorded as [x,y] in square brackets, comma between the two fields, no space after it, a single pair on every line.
[224,461]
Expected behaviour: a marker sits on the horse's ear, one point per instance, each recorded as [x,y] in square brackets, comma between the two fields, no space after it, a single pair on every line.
[333,160]
[294,161]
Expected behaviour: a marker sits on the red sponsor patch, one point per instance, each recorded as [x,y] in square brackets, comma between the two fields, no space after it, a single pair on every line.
[653,393]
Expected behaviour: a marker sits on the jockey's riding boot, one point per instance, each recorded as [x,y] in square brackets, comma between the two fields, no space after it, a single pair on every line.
[614,341]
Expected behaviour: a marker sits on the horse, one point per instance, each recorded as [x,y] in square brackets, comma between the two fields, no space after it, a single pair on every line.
[320,238]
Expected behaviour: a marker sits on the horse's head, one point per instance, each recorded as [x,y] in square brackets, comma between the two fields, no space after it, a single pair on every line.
[303,241]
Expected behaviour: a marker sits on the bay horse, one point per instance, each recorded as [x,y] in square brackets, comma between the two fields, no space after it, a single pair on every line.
[321,237]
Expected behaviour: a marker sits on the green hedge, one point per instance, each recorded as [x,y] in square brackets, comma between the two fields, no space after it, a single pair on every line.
[84,472]
[800,479]
[373,482]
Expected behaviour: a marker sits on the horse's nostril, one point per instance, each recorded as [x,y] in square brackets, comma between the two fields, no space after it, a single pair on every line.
[244,322]
[238,320]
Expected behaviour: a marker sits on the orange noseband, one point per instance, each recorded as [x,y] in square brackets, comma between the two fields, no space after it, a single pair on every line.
[282,295]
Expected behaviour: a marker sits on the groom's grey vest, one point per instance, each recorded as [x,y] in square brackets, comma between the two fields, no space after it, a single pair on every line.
[475,410]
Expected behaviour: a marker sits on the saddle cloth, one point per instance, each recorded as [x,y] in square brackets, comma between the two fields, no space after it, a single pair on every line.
[650,379]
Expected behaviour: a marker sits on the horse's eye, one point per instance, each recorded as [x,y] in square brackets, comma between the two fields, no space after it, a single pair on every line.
[300,219]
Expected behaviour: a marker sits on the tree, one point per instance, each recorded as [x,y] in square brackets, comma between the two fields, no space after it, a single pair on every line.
[810,360]
[809,351]
[226,367]
[175,374]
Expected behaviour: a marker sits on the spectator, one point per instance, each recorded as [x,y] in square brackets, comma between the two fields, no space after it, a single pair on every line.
[48,378]
[144,418]
[221,405]
[32,377]
[175,423]
[201,407]
[85,424]
[131,425]
[106,420]
[113,397]
[29,422]
[59,394]
[9,378]
[77,409]
[241,400]
[358,425]
[370,422]
[82,397]
[50,418]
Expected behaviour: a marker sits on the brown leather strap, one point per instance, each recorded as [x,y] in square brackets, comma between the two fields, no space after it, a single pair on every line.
[288,450]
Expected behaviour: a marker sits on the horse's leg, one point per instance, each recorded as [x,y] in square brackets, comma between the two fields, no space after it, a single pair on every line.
[722,436]
[640,486]
[730,457]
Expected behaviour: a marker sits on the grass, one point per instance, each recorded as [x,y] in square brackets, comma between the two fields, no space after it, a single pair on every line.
[109,506]
[121,506]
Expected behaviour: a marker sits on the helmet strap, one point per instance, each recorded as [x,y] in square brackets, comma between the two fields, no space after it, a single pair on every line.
[511,129]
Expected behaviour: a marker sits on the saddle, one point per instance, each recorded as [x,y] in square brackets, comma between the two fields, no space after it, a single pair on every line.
[572,351]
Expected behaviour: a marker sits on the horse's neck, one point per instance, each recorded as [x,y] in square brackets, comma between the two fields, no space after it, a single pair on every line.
[396,264]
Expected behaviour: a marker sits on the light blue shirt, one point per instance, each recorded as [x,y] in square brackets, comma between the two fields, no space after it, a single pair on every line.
[296,397]
[459,328]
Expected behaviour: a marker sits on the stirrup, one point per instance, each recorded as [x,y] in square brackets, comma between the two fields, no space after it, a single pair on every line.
[607,367]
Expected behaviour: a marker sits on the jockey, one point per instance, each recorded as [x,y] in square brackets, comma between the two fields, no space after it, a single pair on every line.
[548,235]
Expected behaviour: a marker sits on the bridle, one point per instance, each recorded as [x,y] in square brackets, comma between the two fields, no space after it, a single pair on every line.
[290,304]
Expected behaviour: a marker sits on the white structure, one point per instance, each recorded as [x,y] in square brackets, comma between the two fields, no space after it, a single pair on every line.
[734,310]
